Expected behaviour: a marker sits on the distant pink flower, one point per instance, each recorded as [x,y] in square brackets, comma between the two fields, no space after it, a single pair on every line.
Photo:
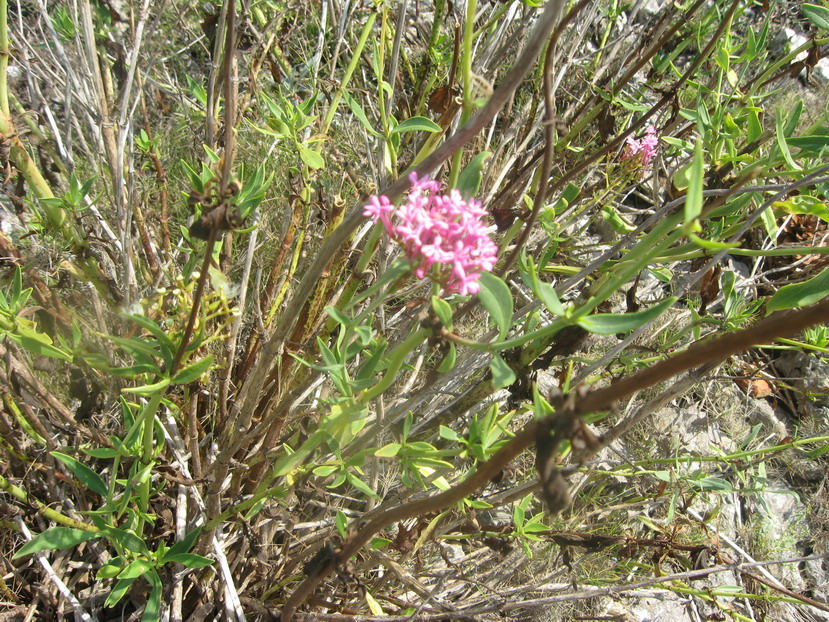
[642,149]
[442,230]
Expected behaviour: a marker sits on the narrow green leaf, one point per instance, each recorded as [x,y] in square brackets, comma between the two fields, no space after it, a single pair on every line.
[780,132]
[110,570]
[800,294]
[361,485]
[693,199]
[54,539]
[545,292]
[188,560]
[87,476]
[469,181]
[818,15]
[148,389]
[388,451]
[502,374]
[443,311]
[36,346]
[183,545]
[135,569]
[127,540]
[416,124]
[341,522]
[339,317]
[373,605]
[118,592]
[153,607]
[154,329]
[449,360]
[496,298]
[612,323]
[816,143]
[194,371]
[358,112]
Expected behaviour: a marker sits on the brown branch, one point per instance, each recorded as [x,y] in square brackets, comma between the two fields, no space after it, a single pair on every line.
[804,599]
[775,326]
[549,137]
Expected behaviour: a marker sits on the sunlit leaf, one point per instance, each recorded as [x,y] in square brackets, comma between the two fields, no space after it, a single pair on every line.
[54,539]
[612,323]
[496,298]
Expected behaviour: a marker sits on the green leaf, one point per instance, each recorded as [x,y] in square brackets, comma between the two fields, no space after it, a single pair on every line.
[135,569]
[310,158]
[286,464]
[502,374]
[711,244]
[358,112]
[325,470]
[183,545]
[388,451]
[469,181]
[780,132]
[448,362]
[693,200]
[818,15]
[153,606]
[111,569]
[188,560]
[397,269]
[546,294]
[379,543]
[155,330]
[194,371]
[448,433]
[339,317]
[612,323]
[443,311]
[714,483]
[616,222]
[800,294]
[37,346]
[373,605]
[87,476]
[803,204]
[118,592]
[127,540]
[496,298]
[54,539]
[816,143]
[341,522]
[148,389]
[361,485]
[416,124]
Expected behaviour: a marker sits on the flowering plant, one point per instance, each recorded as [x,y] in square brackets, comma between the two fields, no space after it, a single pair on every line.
[643,149]
[440,233]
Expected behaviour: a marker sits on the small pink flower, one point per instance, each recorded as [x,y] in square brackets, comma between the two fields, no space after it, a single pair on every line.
[440,233]
[643,149]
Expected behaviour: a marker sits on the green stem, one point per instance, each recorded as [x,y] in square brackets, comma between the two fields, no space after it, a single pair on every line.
[148,421]
[749,252]
[335,100]
[466,71]
[4,58]
[23,497]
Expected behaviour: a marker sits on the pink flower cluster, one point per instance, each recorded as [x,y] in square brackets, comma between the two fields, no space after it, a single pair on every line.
[643,148]
[442,230]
